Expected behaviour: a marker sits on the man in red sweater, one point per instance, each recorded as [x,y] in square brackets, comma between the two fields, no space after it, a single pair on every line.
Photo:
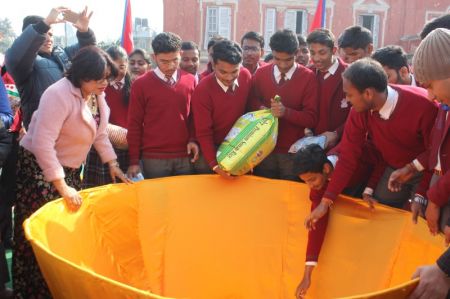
[209,66]
[252,49]
[159,131]
[298,109]
[218,101]
[333,106]
[396,118]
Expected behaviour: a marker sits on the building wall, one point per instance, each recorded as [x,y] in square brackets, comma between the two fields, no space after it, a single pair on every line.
[397,21]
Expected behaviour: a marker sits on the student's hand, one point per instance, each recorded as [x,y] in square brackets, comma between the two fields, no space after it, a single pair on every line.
[331,139]
[277,108]
[432,216]
[417,210]
[54,16]
[447,235]
[192,148]
[83,21]
[115,171]
[317,213]
[304,285]
[433,283]
[401,176]
[133,171]
[370,200]
[217,169]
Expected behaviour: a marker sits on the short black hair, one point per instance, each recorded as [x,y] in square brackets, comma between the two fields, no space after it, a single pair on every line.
[189,45]
[310,159]
[166,42]
[227,51]
[301,40]
[284,41]
[90,63]
[141,52]
[31,20]
[366,73]
[393,57]
[268,57]
[356,37]
[321,36]
[213,40]
[254,36]
[441,22]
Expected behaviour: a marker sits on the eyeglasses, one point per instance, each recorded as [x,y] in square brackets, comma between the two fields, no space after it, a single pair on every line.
[108,79]
[251,49]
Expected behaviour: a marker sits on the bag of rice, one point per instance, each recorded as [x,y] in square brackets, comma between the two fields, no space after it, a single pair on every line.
[252,138]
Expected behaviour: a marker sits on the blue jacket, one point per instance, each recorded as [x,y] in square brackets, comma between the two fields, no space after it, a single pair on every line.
[33,72]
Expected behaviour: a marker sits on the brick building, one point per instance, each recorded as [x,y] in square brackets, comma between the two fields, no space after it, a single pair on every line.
[391,21]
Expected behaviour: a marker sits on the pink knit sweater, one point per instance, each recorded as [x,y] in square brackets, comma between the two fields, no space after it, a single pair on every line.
[62,130]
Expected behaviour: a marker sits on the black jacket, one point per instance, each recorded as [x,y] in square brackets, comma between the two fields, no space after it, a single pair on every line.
[5,142]
[34,72]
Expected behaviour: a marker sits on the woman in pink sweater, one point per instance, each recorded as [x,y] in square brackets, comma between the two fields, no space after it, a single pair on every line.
[72,116]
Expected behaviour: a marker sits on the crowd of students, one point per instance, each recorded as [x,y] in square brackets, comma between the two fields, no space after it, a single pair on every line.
[386,136]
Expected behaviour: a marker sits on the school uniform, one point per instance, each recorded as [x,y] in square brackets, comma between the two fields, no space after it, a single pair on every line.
[298,90]
[216,108]
[400,131]
[159,123]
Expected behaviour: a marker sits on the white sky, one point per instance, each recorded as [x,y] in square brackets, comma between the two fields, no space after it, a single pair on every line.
[106,21]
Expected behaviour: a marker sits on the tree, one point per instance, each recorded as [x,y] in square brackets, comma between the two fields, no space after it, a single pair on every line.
[7,34]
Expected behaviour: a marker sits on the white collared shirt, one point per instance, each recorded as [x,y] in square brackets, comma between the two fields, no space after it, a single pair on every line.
[413,80]
[225,88]
[332,69]
[389,105]
[114,83]
[277,73]
[163,77]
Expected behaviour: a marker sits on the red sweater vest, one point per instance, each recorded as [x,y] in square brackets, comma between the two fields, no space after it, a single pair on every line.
[298,95]
[158,117]
[400,139]
[439,193]
[216,111]
[119,110]
[333,106]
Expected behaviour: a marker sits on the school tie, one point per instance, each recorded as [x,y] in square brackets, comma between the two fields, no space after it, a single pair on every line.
[230,90]
[170,80]
[282,79]
[118,85]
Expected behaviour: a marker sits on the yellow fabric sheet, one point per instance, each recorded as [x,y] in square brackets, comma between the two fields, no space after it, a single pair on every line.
[205,237]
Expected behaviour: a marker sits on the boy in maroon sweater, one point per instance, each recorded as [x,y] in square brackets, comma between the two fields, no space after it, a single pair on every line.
[315,168]
[218,101]
[252,50]
[298,109]
[333,106]
[397,119]
[159,115]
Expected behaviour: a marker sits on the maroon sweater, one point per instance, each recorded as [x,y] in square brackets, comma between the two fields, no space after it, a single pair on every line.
[119,109]
[333,106]
[400,139]
[216,111]
[439,193]
[298,95]
[316,236]
[158,117]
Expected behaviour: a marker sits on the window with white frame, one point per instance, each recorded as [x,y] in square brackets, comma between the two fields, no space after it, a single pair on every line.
[296,20]
[269,26]
[218,22]
[371,22]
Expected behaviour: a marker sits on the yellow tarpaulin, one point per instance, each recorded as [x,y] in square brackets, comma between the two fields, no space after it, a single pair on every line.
[203,237]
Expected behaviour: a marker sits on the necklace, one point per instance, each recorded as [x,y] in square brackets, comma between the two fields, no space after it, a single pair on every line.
[92,104]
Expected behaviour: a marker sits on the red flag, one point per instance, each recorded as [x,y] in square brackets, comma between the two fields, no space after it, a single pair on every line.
[319,16]
[127,30]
